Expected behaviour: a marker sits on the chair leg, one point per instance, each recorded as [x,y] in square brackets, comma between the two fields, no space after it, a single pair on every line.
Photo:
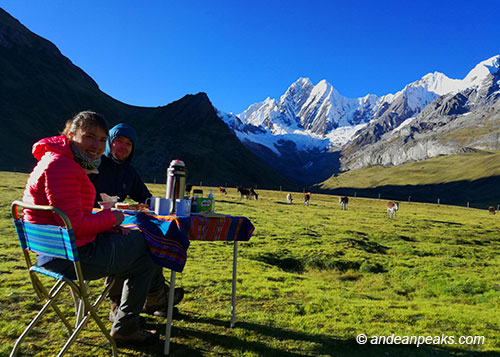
[77,303]
[50,303]
[30,327]
[90,312]
[84,310]
[54,292]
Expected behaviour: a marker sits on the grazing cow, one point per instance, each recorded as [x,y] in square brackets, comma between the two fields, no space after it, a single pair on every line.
[222,190]
[307,197]
[344,200]
[253,194]
[243,192]
[491,209]
[392,207]
[289,199]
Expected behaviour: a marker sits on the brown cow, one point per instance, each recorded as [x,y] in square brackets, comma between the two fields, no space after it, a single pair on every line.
[392,207]
[307,197]
[222,190]
[491,209]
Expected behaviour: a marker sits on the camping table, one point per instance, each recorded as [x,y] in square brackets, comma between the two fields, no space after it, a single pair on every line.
[211,227]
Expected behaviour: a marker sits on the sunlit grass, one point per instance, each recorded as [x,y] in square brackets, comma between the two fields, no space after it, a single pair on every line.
[309,280]
[441,169]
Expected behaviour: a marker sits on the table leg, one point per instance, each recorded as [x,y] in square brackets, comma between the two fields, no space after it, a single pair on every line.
[233,298]
[170,309]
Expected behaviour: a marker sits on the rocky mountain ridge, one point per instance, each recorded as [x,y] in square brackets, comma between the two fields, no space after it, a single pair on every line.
[317,118]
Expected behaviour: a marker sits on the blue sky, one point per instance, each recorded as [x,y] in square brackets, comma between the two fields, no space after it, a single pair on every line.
[151,53]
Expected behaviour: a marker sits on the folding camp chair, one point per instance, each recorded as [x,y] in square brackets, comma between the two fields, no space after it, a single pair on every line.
[57,242]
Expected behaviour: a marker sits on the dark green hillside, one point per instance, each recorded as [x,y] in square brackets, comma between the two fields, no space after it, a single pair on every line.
[473,177]
[189,129]
[40,89]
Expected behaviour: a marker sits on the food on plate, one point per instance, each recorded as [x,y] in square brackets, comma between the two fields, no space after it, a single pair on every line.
[132,207]
[141,207]
[121,205]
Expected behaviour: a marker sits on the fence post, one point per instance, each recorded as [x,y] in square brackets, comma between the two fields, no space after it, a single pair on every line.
[280,188]
[155,180]
[379,196]
[409,199]
[438,202]
[355,193]
[201,183]
[467,204]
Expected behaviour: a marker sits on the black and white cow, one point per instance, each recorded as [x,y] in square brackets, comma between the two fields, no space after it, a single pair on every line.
[344,201]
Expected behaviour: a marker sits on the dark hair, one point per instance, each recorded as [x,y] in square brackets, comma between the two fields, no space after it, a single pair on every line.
[84,120]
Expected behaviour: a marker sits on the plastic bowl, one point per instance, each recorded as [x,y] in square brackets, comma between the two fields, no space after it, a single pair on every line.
[106,204]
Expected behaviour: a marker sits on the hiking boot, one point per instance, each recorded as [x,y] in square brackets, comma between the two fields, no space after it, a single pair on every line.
[178,295]
[139,337]
[114,309]
[163,313]
[156,303]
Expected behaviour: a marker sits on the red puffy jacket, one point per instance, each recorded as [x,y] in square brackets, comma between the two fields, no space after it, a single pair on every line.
[57,180]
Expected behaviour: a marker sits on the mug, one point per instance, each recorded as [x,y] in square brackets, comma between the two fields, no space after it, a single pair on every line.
[151,202]
[183,207]
[162,206]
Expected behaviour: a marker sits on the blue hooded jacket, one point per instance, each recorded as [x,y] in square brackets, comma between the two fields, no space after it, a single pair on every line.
[117,178]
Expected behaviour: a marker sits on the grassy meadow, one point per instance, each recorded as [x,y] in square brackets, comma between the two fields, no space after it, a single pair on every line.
[441,169]
[309,281]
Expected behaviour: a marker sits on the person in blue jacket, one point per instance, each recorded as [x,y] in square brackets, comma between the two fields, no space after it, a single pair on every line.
[117,177]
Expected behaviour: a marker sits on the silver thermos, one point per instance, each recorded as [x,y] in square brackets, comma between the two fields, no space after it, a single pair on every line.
[176,183]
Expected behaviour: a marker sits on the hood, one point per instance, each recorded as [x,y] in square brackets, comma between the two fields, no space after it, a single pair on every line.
[121,130]
[57,144]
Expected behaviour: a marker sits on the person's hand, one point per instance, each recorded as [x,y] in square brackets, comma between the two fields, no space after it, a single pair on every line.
[119,217]
[120,230]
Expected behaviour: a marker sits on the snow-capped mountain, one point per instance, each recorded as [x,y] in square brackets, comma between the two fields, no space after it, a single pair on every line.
[465,117]
[317,118]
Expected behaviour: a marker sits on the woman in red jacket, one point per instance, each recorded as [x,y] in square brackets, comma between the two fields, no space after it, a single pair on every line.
[105,249]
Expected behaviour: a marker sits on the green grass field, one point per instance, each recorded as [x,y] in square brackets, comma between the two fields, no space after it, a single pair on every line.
[309,281]
[442,169]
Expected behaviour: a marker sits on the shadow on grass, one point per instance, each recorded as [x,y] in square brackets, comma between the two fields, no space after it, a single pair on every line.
[479,193]
[231,202]
[443,222]
[322,344]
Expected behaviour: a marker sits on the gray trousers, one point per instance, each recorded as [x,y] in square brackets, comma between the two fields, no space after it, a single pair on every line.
[125,257]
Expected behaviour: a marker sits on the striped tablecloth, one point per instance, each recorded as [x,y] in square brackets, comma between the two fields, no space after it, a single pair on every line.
[168,236]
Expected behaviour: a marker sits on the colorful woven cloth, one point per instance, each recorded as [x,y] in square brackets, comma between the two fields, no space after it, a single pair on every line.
[228,228]
[211,228]
[167,242]
[168,236]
